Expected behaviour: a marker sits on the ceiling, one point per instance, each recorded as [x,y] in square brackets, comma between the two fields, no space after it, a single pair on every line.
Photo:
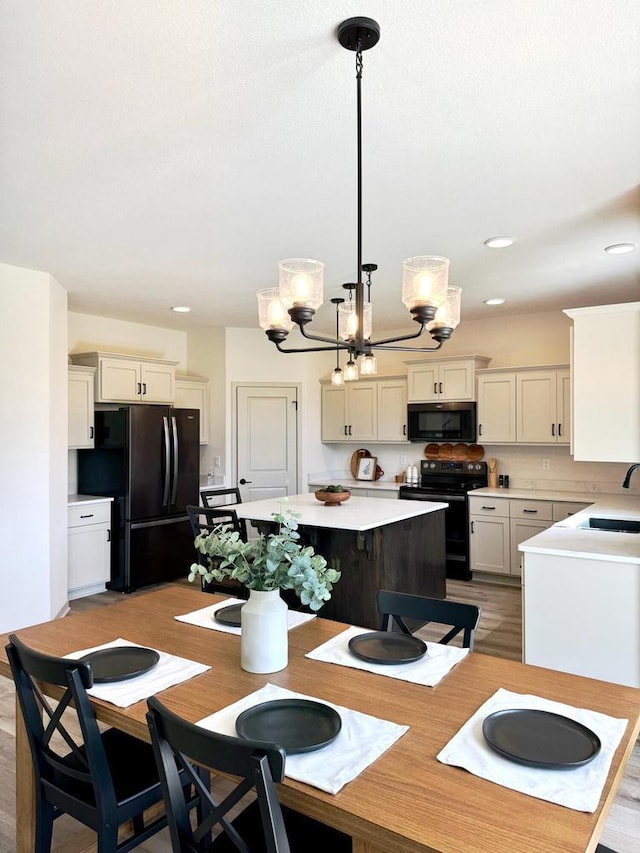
[172,152]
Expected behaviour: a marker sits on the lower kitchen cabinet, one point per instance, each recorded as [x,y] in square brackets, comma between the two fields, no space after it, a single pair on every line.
[89,547]
[497,526]
[489,535]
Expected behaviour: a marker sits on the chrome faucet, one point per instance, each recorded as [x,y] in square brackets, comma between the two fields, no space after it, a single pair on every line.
[627,478]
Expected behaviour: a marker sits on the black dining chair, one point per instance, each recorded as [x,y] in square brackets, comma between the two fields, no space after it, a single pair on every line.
[398,607]
[263,824]
[203,519]
[220,496]
[102,779]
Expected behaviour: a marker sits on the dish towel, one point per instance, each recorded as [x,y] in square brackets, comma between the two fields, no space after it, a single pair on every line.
[168,671]
[576,788]
[429,670]
[362,739]
[204,617]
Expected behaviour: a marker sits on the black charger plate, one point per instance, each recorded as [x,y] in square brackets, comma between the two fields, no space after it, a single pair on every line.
[540,738]
[297,725]
[229,615]
[120,663]
[387,647]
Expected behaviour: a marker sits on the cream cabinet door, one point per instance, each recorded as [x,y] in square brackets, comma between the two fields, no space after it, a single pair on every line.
[563,398]
[80,398]
[423,383]
[489,544]
[392,410]
[362,411]
[497,408]
[522,529]
[193,393]
[158,383]
[119,381]
[456,381]
[536,407]
[334,413]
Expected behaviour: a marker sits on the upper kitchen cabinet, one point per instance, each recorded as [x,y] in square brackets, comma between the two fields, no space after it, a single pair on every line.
[431,380]
[130,379]
[605,364]
[192,392]
[530,405]
[80,397]
[372,410]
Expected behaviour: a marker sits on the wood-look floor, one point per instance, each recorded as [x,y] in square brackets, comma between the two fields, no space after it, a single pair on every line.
[499,634]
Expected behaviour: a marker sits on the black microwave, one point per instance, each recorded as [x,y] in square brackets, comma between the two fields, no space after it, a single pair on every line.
[441,422]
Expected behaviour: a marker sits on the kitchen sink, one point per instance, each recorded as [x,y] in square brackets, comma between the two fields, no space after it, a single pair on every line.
[616,525]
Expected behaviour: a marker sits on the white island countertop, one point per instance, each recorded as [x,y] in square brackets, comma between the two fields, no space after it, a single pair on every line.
[566,538]
[354,514]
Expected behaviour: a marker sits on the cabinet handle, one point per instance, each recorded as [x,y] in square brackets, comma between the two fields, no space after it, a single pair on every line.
[534,511]
[108,536]
[472,530]
[349,429]
[553,429]
[559,429]
[144,387]
[346,430]
[479,429]
[90,432]
[440,389]
[87,516]
[139,388]
[488,507]
[435,387]
[404,429]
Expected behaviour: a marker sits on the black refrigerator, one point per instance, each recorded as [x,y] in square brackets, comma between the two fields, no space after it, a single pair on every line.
[147,458]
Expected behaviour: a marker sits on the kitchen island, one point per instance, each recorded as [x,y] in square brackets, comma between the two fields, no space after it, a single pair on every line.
[376,543]
[581,595]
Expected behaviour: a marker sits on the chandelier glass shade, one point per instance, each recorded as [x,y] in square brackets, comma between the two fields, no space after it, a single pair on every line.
[432,303]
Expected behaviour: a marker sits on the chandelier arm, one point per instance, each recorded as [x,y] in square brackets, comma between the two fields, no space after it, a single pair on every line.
[335,343]
[408,349]
[419,333]
[306,349]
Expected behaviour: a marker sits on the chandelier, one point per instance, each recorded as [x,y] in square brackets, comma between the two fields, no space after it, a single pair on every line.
[433,304]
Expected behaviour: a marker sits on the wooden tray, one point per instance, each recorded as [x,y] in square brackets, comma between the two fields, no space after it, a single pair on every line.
[476,452]
[431,451]
[445,452]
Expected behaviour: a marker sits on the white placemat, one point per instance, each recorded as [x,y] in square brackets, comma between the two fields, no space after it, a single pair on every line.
[204,617]
[361,740]
[429,670]
[169,670]
[577,788]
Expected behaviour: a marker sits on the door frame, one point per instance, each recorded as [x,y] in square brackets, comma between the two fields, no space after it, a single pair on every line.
[234,421]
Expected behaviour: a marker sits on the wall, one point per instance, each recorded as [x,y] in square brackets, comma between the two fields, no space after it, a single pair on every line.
[33,432]
[206,357]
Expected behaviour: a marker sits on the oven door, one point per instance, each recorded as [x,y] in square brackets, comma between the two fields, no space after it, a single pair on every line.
[456,527]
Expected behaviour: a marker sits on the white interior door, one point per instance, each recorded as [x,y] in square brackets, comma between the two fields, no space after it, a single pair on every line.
[266,441]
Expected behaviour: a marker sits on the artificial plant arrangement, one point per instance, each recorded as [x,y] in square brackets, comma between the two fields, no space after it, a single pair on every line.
[273,561]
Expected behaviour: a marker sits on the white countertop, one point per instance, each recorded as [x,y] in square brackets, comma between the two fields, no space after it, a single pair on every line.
[354,514]
[539,494]
[566,538]
[86,499]
[384,485]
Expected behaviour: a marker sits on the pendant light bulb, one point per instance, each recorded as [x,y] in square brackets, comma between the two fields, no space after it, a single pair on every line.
[337,377]
[369,365]
[350,371]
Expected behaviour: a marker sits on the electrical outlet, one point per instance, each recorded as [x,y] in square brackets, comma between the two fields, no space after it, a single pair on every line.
[216,461]
[546,464]
[403,459]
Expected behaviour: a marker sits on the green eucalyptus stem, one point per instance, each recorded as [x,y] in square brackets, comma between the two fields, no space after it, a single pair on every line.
[274,561]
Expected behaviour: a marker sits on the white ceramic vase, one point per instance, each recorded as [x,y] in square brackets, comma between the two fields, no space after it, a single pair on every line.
[264,641]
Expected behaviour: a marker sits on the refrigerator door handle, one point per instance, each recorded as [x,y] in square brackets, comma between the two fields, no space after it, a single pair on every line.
[167,462]
[176,467]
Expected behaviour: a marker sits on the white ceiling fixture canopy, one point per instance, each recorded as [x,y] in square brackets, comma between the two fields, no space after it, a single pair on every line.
[425,290]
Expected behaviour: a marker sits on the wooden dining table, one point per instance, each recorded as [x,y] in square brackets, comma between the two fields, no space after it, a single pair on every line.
[406,801]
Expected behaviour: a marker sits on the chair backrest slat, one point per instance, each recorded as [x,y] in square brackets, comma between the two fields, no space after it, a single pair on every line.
[396,607]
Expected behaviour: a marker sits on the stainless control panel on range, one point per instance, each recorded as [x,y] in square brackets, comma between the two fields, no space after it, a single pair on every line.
[450,482]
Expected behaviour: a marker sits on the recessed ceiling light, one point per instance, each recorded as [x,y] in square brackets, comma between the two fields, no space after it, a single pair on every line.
[181,309]
[620,248]
[499,242]
[494,301]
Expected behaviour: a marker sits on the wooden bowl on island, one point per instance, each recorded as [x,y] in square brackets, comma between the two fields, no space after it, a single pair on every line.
[333,497]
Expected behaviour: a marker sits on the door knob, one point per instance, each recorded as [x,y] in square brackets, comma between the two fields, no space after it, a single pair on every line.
[242,481]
